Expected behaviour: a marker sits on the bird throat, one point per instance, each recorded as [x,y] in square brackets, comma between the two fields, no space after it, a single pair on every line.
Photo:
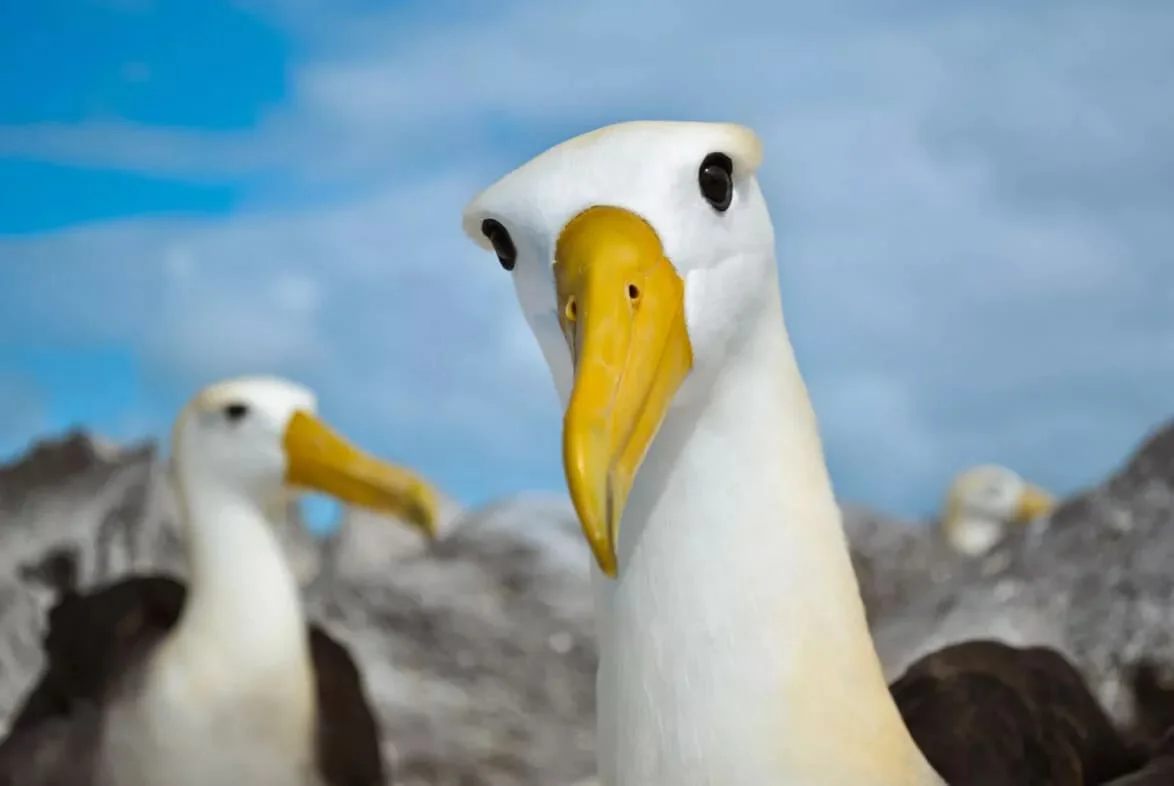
[734,644]
[242,622]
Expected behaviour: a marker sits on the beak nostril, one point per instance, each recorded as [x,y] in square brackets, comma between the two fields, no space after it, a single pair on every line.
[633,293]
[572,310]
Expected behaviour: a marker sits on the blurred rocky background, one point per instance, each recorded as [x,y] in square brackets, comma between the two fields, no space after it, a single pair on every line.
[478,650]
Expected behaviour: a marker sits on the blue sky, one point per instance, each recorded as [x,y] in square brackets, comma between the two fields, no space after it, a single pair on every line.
[972,201]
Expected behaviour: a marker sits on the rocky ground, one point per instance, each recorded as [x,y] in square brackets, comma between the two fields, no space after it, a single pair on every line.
[1094,580]
[478,651]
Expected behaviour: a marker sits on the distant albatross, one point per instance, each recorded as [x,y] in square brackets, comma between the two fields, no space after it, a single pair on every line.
[733,643]
[147,684]
[898,563]
[983,501]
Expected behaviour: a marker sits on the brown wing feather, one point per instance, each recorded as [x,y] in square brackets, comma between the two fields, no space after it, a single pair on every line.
[348,733]
[93,639]
[985,713]
[58,751]
[1153,699]
[1159,771]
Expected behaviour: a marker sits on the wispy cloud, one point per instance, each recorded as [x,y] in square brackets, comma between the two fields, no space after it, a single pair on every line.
[194,155]
[383,312]
[972,205]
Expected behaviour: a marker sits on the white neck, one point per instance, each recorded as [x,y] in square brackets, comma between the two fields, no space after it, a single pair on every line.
[229,695]
[243,619]
[974,536]
[734,646]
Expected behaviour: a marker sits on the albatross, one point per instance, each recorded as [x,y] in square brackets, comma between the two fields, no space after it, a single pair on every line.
[733,642]
[150,683]
[983,501]
[898,563]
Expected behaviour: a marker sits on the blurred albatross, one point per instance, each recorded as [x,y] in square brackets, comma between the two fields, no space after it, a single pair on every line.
[733,642]
[983,501]
[898,563]
[147,683]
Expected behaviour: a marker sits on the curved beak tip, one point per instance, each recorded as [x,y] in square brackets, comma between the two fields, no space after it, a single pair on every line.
[602,547]
[422,510]
[1036,502]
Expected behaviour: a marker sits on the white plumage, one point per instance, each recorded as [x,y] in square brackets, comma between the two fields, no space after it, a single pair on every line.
[718,664]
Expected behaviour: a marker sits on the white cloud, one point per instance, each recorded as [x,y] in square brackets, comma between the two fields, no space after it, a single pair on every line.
[972,206]
[194,155]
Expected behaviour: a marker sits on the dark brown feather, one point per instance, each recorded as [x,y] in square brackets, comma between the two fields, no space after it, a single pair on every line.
[94,640]
[988,714]
[1153,699]
[1159,771]
[59,751]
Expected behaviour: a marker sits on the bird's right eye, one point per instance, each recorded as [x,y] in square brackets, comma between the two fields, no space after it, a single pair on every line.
[235,411]
[503,245]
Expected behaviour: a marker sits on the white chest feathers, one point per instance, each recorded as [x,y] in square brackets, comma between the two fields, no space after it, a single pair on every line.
[192,725]
[974,536]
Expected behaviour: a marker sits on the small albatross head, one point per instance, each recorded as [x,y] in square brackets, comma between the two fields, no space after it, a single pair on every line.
[638,252]
[983,500]
[261,436]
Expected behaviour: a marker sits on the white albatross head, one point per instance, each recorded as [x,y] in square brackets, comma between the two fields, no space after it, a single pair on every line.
[260,439]
[639,253]
[983,501]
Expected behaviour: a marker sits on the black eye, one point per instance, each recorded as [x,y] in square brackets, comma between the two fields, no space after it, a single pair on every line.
[235,412]
[716,180]
[503,246]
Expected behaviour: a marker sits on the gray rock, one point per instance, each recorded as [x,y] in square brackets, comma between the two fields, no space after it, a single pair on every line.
[485,649]
[1094,579]
[899,561]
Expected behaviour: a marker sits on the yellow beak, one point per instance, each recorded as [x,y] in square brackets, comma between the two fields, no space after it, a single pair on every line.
[1033,503]
[319,459]
[621,306]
